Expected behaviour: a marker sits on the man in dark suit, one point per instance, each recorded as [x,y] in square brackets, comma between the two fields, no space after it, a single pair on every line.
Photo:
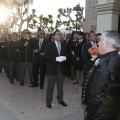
[26,57]
[39,60]
[13,58]
[104,80]
[55,54]
[3,41]
[88,63]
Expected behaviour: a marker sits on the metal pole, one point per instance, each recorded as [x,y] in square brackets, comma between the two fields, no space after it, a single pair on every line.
[26,66]
[76,22]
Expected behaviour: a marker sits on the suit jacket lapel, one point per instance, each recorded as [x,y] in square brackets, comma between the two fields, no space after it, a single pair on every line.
[55,48]
[90,45]
[61,48]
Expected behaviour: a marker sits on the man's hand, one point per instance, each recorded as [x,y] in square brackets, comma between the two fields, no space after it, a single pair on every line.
[77,59]
[18,50]
[35,51]
[26,43]
[42,54]
[94,56]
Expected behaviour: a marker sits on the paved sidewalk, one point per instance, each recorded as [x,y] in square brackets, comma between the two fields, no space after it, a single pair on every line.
[24,103]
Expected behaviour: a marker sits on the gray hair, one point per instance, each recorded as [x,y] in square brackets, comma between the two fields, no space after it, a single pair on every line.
[113,37]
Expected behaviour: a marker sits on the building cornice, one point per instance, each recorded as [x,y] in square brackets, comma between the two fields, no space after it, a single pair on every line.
[109,8]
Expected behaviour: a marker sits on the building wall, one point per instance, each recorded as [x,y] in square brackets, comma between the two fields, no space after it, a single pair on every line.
[101,15]
[90,15]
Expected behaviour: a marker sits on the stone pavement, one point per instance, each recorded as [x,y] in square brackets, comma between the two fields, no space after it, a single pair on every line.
[24,103]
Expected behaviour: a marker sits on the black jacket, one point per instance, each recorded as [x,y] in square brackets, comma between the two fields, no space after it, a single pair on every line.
[50,54]
[26,50]
[37,57]
[86,57]
[3,49]
[104,99]
[13,55]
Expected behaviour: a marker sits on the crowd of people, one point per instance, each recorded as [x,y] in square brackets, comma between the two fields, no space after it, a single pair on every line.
[67,55]
[27,52]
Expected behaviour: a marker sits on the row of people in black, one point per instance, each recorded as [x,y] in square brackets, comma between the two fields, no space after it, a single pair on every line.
[29,53]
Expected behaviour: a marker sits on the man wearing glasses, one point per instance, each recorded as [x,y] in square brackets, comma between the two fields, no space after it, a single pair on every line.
[26,57]
[39,60]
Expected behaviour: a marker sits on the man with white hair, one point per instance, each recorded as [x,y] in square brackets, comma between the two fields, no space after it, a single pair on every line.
[104,98]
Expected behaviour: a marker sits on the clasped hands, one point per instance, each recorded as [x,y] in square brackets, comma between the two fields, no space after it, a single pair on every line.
[26,43]
[60,58]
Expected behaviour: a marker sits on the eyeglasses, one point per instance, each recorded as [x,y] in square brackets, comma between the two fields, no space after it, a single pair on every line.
[42,33]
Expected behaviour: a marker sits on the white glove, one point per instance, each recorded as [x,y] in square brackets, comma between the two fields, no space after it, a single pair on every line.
[119,53]
[63,57]
[60,58]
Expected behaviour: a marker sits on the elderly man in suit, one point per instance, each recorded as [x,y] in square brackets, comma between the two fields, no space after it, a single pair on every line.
[56,55]
[25,47]
[104,80]
[39,61]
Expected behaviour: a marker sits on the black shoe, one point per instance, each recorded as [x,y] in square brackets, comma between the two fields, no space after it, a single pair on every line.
[41,87]
[21,84]
[32,83]
[48,105]
[32,86]
[62,103]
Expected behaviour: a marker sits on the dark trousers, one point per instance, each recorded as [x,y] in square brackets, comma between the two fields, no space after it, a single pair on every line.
[22,71]
[59,78]
[2,63]
[13,70]
[36,68]
[68,68]
[7,69]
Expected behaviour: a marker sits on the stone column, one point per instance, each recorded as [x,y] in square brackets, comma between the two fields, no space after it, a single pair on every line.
[90,15]
[108,12]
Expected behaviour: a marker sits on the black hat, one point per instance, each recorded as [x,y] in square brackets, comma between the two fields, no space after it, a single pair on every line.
[81,33]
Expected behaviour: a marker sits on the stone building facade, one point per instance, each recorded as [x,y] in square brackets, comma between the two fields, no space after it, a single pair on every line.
[101,15]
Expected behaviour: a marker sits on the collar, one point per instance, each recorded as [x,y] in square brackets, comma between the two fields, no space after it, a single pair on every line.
[93,43]
[56,42]
[41,39]
[109,54]
[81,40]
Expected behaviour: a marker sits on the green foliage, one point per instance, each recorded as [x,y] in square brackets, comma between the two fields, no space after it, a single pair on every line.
[70,23]
[19,16]
[45,23]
